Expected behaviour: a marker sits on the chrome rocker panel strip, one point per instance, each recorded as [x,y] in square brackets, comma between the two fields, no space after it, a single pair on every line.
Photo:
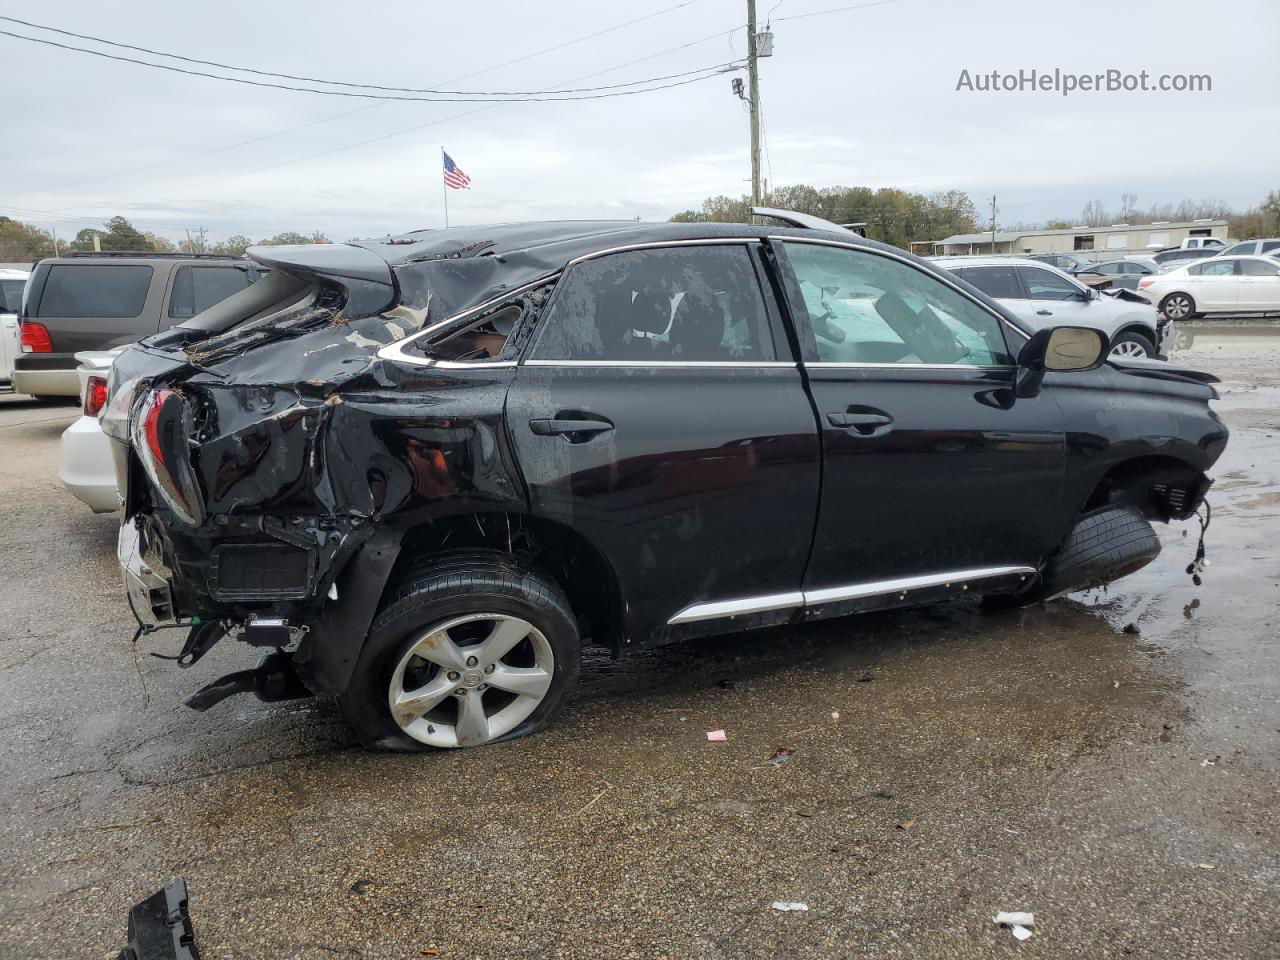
[853,591]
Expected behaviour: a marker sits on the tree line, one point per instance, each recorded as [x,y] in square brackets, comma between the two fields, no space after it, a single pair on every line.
[22,242]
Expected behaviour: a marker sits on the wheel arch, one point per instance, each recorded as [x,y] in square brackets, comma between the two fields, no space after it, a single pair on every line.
[1162,487]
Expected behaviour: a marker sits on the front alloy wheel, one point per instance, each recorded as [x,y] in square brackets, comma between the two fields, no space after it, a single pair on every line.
[1130,347]
[470,680]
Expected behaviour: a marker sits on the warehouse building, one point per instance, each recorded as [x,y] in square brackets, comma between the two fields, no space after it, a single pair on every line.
[1089,243]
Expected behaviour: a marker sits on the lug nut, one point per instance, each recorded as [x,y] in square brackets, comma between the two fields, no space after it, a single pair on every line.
[472,661]
[461,691]
[454,675]
[489,668]
[483,686]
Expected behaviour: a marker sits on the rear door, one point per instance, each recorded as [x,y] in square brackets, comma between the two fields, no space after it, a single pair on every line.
[97,305]
[660,413]
[930,468]
[10,305]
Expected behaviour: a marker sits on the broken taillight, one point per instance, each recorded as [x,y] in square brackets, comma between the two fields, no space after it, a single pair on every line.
[159,436]
[35,338]
[95,396]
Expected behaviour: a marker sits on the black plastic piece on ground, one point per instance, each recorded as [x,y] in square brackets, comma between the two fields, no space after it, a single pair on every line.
[160,927]
[272,680]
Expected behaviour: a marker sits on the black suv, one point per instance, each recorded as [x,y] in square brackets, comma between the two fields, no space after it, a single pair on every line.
[423,471]
[97,301]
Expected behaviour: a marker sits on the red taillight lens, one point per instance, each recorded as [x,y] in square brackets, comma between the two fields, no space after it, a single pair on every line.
[159,434]
[35,338]
[1145,282]
[151,423]
[95,396]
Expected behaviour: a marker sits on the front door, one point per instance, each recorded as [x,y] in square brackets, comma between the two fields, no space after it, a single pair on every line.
[930,467]
[1055,300]
[660,414]
[1216,284]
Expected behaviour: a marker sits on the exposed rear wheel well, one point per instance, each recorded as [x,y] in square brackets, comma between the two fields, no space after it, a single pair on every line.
[1162,488]
[558,551]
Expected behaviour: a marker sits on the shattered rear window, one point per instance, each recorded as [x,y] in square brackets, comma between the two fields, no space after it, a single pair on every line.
[494,334]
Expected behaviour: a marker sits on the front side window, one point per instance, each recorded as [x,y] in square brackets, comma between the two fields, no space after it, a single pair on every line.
[694,303]
[868,308]
[113,291]
[1259,268]
[196,289]
[1045,285]
[1213,268]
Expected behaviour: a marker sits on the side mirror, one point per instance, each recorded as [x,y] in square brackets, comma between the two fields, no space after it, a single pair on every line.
[1060,350]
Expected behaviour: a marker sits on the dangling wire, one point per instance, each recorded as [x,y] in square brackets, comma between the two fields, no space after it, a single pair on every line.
[1196,566]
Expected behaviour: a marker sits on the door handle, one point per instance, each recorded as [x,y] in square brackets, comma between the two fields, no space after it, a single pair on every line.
[575,431]
[864,424]
[1044,313]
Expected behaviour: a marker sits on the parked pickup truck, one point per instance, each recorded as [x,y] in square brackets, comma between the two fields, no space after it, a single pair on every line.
[422,472]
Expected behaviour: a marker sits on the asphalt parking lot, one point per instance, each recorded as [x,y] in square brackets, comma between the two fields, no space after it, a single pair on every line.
[1120,785]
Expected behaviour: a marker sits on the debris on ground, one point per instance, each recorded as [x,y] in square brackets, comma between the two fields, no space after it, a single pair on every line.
[905,824]
[790,906]
[719,736]
[1018,922]
[781,756]
[866,677]
[430,952]
[727,684]
[361,886]
[1207,866]
[835,714]
[1210,761]
[1132,628]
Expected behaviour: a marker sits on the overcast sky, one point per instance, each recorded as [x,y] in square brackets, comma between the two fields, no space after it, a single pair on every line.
[857,97]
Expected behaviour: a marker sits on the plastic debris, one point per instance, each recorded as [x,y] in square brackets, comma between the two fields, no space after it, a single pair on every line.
[781,756]
[906,824]
[719,736]
[835,714]
[790,906]
[1132,628]
[1207,866]
[1018,922]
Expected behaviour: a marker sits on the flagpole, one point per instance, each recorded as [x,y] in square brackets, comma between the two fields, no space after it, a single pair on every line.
[444,187]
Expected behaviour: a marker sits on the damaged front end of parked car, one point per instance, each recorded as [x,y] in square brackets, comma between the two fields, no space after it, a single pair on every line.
[263,448]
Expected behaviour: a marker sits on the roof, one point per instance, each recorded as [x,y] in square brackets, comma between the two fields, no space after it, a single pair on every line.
[7,274]
[950,263]
[1001,237]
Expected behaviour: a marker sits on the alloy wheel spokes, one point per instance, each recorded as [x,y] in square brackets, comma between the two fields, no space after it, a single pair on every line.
[473,722]
[438,647]
[522,681]
[506,634]
[409,705]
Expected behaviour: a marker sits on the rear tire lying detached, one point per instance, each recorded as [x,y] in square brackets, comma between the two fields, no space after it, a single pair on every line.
[469,648]
[1104,545]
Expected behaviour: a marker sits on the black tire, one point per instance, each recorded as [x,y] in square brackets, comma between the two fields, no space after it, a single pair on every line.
[1138,340]
[1181,303]
[445,587]
[1104,545]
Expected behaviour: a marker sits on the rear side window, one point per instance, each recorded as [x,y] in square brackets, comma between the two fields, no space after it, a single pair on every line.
[691,303]
[1269,245]
[11,295]
[1213,268]
[996,282]
[95,290]
[196,289]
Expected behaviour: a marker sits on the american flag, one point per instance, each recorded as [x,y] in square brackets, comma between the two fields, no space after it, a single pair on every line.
[453,175]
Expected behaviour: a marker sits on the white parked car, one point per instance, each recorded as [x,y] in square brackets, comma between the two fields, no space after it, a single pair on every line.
[1216,285]
[86,467]
[12,283]
[1251,247]
[1046,297]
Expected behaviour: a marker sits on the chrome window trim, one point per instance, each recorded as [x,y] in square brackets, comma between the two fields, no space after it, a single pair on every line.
[661,363]
[718,609]
[860,248]
[841,365]
[733,608]
[395,351]
[652,244]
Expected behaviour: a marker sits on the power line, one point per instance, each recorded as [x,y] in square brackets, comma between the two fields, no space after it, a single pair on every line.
[345,83]
[705,74]
[370,106]
[823,13]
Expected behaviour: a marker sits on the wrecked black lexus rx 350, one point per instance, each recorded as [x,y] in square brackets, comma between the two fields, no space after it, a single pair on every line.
[421,473]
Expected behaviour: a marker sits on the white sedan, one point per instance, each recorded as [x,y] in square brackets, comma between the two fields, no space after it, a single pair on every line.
[1216,285]
[86,467]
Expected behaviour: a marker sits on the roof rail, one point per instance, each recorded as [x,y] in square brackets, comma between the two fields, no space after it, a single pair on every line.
[151,254]
[805,220]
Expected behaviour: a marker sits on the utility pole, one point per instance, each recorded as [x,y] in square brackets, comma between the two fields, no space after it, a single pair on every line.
[753,94]
[993,223]
[203,247]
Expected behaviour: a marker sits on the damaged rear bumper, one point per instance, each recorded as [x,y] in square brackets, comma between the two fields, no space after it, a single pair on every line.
[160,927]
[147,584]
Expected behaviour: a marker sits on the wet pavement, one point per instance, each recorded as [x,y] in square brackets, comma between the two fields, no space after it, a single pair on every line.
[1121,785]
